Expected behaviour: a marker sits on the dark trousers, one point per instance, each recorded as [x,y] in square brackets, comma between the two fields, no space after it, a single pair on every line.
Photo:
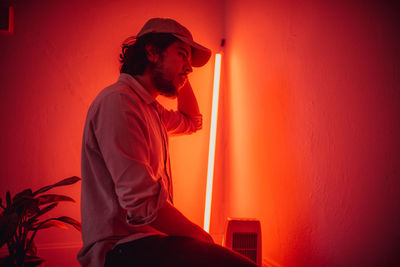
[173,251]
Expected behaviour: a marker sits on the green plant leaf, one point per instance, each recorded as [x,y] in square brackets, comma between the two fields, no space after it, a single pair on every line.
[51,223]
[26,205]
[71,221]
[68,181]
[63,182]
[30,248]
[46,199]
[59,222]
[29,223]
[32,260]
[23,194]
[45,210]
[8,226]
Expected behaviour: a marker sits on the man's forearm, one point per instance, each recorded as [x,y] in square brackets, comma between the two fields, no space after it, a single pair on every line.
[172,222]
[187,102]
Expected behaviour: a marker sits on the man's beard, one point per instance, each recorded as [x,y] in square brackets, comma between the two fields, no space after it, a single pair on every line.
[163,85]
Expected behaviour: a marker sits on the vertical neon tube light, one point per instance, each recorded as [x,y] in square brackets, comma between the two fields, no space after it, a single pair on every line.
[211,149]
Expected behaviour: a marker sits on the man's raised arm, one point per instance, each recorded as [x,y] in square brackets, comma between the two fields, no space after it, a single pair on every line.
[187,102]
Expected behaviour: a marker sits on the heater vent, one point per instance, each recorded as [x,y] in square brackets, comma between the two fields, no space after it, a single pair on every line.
[243,235]
[245,244]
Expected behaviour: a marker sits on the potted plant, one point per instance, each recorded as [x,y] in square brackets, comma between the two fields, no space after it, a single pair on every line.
[20,220]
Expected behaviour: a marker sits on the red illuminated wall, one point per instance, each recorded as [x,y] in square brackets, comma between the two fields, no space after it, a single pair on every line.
[308,134]
[314,126]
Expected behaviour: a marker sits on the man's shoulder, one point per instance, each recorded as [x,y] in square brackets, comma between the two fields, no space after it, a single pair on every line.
[116,89]
[114,93]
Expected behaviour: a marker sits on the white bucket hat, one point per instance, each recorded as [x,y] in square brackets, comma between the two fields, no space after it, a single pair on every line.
[200,54]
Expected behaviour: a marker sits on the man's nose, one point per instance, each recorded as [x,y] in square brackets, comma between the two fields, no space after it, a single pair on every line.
[188,67]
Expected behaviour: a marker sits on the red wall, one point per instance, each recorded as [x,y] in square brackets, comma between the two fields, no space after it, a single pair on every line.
[308,128]
[314,150]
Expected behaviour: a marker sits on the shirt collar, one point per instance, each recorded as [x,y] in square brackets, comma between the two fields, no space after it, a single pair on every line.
[137,87]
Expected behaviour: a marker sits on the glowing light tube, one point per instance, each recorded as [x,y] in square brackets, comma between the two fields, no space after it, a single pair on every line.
[211,149]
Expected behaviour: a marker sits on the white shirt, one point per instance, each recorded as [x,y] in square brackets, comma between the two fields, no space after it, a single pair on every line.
[125,166]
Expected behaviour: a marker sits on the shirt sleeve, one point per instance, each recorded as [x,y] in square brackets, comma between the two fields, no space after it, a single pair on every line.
[123,137]
[177,122]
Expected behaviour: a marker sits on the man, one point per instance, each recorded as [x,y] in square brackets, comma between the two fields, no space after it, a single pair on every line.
[128,217]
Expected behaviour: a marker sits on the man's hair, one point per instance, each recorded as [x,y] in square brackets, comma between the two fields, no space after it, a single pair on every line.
[134,56]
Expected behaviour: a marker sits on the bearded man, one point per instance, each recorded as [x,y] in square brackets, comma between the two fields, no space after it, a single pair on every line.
[128,216]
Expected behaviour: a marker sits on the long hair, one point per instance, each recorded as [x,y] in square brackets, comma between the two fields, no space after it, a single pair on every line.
[134,57]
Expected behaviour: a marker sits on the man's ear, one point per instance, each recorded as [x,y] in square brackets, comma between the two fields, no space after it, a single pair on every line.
[151,53]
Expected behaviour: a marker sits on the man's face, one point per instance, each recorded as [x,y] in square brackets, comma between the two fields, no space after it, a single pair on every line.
[171,70]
